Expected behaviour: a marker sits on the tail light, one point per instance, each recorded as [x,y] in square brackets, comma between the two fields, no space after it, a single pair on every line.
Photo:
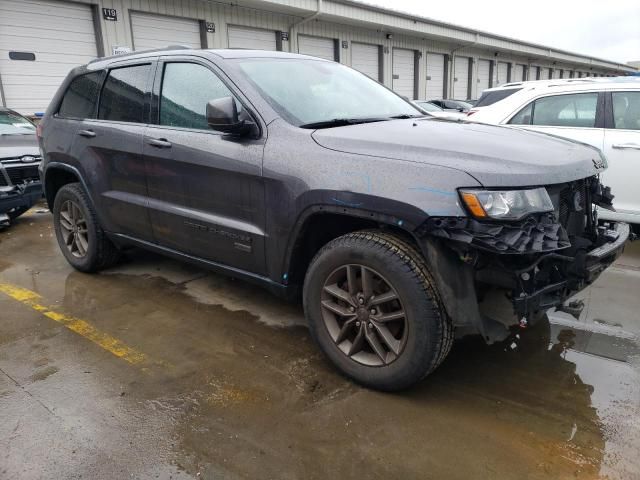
[39,130]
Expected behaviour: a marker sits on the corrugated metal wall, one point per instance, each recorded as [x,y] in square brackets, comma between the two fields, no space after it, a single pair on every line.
[119,33]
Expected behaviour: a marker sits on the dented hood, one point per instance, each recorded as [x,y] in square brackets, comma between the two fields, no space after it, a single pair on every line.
[495,156]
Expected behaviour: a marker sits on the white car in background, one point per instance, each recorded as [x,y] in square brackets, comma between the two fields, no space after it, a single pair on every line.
[603,112]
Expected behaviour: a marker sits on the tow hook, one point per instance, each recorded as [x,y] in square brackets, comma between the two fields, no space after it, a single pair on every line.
[573,308]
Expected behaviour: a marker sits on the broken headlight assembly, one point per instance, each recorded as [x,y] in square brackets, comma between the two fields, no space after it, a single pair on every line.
[506,204]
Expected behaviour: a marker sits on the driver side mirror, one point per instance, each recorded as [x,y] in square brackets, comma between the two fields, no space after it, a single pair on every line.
[222,115]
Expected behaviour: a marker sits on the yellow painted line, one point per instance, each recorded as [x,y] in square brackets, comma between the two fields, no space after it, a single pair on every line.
[77,325]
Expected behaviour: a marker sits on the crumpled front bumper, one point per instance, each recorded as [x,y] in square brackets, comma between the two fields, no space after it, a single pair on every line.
[589,268]
[19,196]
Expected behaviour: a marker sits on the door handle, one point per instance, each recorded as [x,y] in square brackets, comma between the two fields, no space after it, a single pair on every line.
[622,146]
[87,133]
[159,142]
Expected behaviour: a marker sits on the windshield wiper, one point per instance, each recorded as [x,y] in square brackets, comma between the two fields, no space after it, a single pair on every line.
[405,116]
[341,122]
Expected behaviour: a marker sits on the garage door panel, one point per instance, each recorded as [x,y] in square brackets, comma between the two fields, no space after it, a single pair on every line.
[50,9]
[503,73]
[316,47]
[158,31]
[484,75]
[251,38]
[366,59]
[60,34]
[435,76]
[461,78]
[49,46]
[19,21]
[404,72]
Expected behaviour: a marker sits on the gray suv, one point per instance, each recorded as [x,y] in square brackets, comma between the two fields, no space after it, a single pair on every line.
[396,229]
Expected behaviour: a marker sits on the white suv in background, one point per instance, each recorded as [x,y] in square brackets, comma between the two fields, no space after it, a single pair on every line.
[603,112]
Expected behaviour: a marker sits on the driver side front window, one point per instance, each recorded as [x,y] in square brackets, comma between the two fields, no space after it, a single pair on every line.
[186,90]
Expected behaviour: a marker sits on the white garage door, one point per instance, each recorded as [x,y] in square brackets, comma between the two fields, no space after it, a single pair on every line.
[159,31]
[544,74]
[435,76]
[404,72]
[484,74]
[251,38]
[366,59]
[317,47]
[461,78]
[518,74]
[503,73]
[61,37]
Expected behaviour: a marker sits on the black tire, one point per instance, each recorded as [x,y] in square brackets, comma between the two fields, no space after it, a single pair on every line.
[429,334]
[100,253]
[17,212]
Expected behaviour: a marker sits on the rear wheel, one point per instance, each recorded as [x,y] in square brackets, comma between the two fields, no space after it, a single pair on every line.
[373,308]
[80,236]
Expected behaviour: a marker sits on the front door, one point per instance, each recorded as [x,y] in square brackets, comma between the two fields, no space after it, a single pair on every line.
[206,192]
[622,149]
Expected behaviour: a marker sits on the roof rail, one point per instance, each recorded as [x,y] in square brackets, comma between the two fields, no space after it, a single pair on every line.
[151,50]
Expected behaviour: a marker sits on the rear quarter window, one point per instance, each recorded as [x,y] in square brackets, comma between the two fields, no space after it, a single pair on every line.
[81,98]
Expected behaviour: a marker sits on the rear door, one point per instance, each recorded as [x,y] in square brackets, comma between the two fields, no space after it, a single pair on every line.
[622,148]
[108,149]
[206,194]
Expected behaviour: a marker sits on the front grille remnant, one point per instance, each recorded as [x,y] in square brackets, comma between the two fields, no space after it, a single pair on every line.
[19,175]
[533,235]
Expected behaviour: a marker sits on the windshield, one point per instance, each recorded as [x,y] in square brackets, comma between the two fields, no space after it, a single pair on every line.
[308,92]
[13,124]
[489,98]
[429,107]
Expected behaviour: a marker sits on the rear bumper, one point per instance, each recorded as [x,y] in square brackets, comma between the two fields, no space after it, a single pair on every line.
[19,196]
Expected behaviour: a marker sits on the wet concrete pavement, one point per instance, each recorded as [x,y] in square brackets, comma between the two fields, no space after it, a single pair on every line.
[222,381]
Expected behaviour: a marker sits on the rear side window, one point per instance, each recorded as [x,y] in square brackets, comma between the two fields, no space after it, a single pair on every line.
[489,98]
[574,110]
[81,98]
[626,110]
[123,94]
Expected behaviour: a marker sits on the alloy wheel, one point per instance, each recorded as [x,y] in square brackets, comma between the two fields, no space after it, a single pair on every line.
[73,227]
[364,315]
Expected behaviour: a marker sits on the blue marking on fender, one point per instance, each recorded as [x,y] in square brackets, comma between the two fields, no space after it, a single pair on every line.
[347,204]
[433,190]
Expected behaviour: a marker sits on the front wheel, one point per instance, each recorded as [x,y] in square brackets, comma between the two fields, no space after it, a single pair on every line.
[373,308]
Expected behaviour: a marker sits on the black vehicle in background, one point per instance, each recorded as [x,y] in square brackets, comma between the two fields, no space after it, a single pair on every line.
[20,185]
[453,105]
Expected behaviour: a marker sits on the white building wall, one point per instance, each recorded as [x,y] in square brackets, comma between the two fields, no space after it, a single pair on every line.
[351,29]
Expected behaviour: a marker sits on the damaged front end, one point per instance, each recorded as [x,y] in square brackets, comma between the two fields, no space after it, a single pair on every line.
[514,271]
[18,198]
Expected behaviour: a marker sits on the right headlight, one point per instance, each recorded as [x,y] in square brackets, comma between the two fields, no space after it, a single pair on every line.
[506,204]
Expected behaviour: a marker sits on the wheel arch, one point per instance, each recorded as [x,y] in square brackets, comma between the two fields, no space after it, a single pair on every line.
[56,176]
[319,224]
